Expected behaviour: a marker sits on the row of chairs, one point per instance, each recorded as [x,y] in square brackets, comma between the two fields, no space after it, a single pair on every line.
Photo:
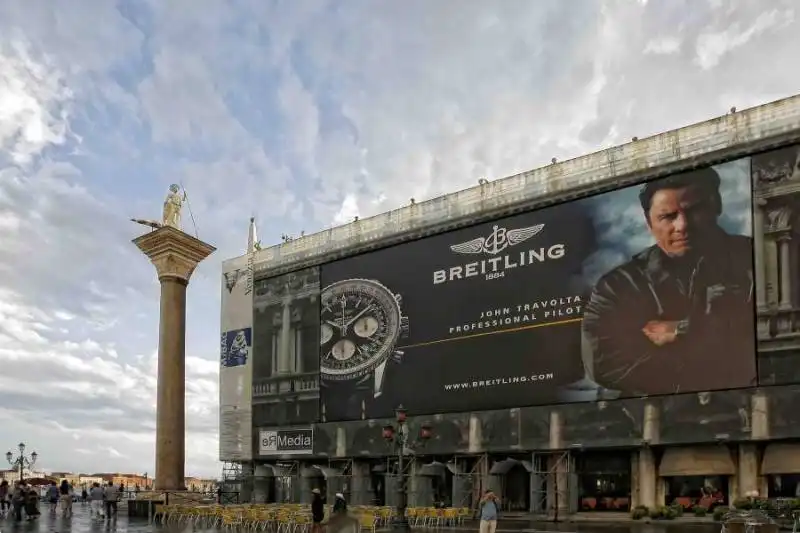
[296,518]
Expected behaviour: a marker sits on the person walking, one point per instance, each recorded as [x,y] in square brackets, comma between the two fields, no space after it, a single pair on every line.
[52,496]
[489,511]
[111,497]
[18,500]
[96,500]
[317,511]
[4,498]
[31,499]
[65,498]
[339,505]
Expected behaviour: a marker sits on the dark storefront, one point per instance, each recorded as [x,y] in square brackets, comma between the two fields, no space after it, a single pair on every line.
[604,480]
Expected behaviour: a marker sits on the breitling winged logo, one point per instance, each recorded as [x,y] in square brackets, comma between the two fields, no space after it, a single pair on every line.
[498,240]
[232,278]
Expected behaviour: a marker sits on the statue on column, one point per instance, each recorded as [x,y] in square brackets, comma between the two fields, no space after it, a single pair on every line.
[173,206]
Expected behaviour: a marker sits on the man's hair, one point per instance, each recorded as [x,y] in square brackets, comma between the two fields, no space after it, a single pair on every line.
[706,179]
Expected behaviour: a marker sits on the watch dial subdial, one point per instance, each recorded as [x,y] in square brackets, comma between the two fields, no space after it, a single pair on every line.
[344,350]
[366,327]
[326,334]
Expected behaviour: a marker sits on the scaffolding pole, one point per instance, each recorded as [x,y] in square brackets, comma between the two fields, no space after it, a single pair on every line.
[553,484]
[469,472]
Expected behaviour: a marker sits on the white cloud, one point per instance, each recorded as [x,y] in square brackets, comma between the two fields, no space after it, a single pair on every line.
[33,98]
[665,45]
[305,114]
[712,46]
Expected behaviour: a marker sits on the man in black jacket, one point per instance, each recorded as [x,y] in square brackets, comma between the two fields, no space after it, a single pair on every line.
[317,510]
[679,315]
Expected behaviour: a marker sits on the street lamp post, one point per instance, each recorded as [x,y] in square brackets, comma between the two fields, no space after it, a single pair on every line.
[398,439]
[22,461]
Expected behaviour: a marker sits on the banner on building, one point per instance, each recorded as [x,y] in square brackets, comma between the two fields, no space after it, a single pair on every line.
[645,290]
[236,360]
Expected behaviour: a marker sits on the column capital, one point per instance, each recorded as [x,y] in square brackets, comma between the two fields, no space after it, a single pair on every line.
[175,254]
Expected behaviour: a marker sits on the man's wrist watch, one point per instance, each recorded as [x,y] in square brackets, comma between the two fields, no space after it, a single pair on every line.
[682,328]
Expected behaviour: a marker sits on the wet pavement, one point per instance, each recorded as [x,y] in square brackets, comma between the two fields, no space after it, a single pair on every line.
[81,522]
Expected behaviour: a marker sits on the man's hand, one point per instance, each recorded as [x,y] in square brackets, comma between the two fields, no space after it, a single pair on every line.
[661,333]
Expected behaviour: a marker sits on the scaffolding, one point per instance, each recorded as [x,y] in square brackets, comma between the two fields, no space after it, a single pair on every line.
[339,477]
[554,484]
[237,482]
[469,475]
[392,479]
[287,482]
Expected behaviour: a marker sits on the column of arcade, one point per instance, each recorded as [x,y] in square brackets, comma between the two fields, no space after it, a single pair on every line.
[648,485]
[774,255]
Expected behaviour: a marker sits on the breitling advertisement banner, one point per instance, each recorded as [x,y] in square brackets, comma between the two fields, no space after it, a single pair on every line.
[236,361]
[640,291]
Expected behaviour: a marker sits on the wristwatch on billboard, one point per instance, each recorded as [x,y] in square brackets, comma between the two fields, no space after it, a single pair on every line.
[361,323]
[682,328]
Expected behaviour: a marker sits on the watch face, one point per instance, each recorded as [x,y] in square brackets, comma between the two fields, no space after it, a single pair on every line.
[360,321]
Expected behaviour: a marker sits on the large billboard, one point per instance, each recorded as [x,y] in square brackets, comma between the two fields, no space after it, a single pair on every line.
[236,361]
[644,290]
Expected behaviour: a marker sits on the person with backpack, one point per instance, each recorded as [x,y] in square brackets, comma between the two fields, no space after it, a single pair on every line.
[489,512]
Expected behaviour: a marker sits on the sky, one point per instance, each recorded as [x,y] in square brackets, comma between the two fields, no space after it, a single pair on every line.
[303,113]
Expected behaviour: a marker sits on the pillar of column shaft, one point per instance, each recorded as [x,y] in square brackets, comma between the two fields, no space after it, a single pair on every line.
[786,273]
[758,245]
[175,255]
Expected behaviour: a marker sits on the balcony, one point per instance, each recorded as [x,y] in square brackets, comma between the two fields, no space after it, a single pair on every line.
[293,384]
[779,328]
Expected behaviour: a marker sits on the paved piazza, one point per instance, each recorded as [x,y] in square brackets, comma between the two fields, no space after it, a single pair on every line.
[82,522]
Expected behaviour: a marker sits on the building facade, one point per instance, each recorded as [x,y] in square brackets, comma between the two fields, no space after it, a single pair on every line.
[294,417]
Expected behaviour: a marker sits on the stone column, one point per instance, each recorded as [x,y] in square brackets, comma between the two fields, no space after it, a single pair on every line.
[341,441]
[772,259]
[786,274]
[475,434]
[760,263]
[558,486]
[175,255]
[747,471]
[361,485]
[648,478]
[759,423]
[647,473]
[284,357]
[298,348]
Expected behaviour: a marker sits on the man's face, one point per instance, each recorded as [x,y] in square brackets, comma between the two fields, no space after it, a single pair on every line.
[680,218]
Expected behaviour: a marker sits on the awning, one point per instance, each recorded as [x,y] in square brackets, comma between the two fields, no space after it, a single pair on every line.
[279,471]
[781,458]
[321,471]
[697,461]
[435,469]
[503,467]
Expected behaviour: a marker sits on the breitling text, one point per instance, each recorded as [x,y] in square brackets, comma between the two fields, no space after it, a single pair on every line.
[495,267]
[514,380]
